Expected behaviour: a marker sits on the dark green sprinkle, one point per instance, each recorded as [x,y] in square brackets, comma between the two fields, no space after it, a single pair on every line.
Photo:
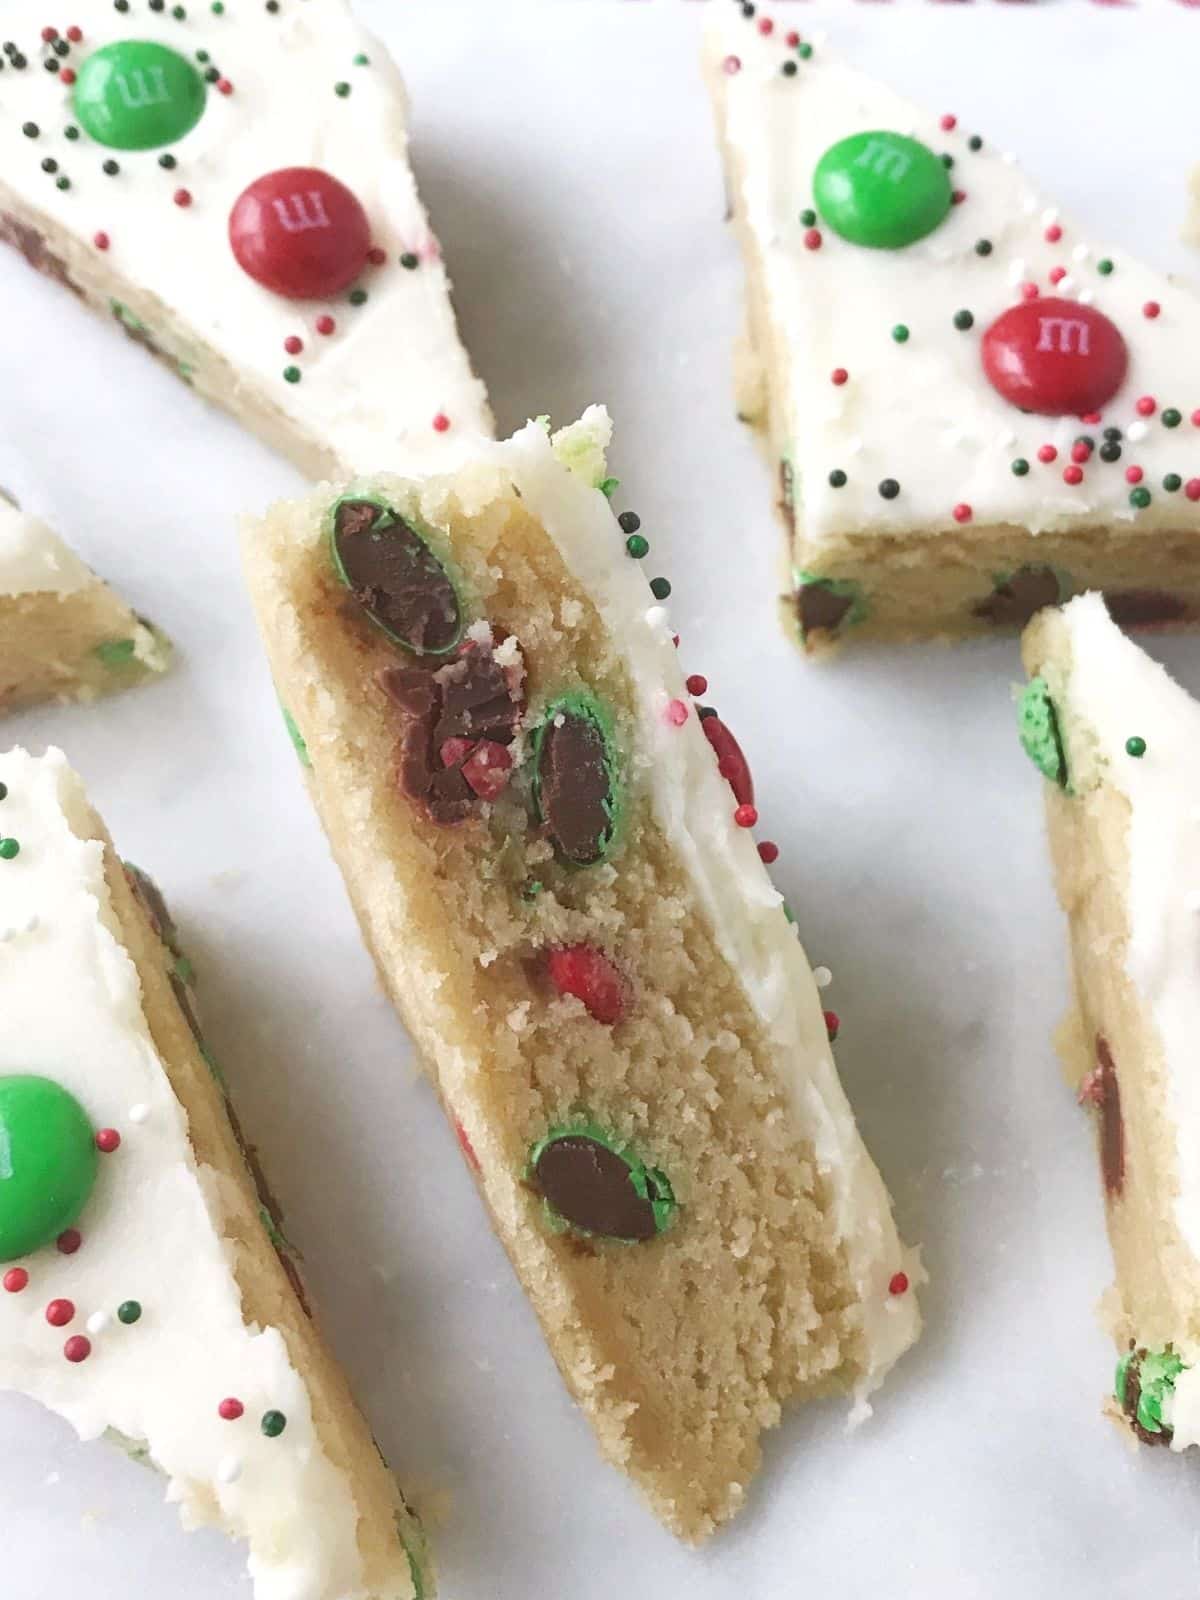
[1110,450]
[211,74]
[1135,746]
[51,63]
[1112,433]
[166,160]
[1139,498]
[30,130]
[637,547]
[8,849]
[157,5]
[3,791]
[804,51]
[70,131]
[49,164]
[61,47]
[974,142]
[62,183]
[201,55]
[409,260]
[341,89]
[900,333]
[1020,467]
[272,6]
[129,1311]
[1172,482]
[361,60]
[947,161]
[1086,438]
[983,247]
[273,1423]
[808,217]
[837,479]
[629,522]
[218,8]
[121,5]
[789,69]
[1104,266]
[357,297]
[1171,418]
[660,588]
[889,488]
[291,374]
[963,320]
[111,167]
[178,13]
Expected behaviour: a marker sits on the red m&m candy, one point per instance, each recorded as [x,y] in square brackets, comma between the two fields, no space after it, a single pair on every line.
[1055,357]
[300,233]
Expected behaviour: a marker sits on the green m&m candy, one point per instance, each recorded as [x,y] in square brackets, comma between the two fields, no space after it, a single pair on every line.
[881,189]
[136,95]
[47,1163]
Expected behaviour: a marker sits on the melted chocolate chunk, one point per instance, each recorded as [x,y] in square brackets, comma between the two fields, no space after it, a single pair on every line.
[575,786]
[33,247]
[150,898]
[270,1207]
[787,494]
[1013,604]
[395,577]
[820,609]
[1145,608]
[469,700]
[589,1186]
[1112,1129]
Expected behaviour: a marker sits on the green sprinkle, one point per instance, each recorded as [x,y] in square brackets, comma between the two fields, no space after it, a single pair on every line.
[8,849]
[837,479]
[410,261]
[357,297]
[3,791]
[608,487]
[1139,498]
[291,374]
[1135,746]
[361,60]
[637,545]
[963,320]
[218,8]
[341,90]
[115,652]
[62,183]
[974,142]
[900,333]
[1171,418]
[1171,482]
[129,1311]
[1104,266]
[660,588]
[1020,467]
[804,51]
[983,247]
[808,217]
[178,13]
[273,1423]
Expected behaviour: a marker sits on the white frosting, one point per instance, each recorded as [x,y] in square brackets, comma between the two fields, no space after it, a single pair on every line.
[373,388]
[694,807]
[34,560]
[923,412]
[152,1230]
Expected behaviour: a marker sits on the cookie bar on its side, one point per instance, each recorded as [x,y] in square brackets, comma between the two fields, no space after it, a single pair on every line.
[1119,744]
[146,1292]
[973,408]
[564,899]
[64,634]
[230,184]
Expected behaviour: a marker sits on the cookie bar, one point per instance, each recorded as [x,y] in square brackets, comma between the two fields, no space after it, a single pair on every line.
[64,634]
[973,408]
[1117,741]
[561,891]
[231,184]
[146,1292]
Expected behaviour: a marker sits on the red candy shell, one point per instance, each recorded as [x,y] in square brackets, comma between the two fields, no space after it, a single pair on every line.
[1055,357]
[731,763]
[300,233]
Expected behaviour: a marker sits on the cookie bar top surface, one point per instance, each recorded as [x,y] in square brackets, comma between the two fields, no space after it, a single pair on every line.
[33,559]
[303,88]
[134,1324]
[880,349]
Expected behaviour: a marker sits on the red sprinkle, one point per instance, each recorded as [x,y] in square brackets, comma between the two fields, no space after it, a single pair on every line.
[1072,475]
[224,86]
[1146,406]
[732,64]
[833,1025]
[15,1279]
[898,1283]
[77,1348]
[697,684]
[1192,488]
[182,197]
[293,345]
[1030,291]
[49,35]
[768,851]
[59,1313]
[588,974]
[745,816]
[108,1140]
[1057,274]
[1053,233]
[812,239]
[376,256]
[838,376]
[963,512]
[1090,416]
[677,713]
[488,768]
[465,1145]
[441,422]
[69,1241]
[67,76]
[765,25]
[325,325]
[101,240]
[1081,452]
[230,1409]
[958,196]
[1047,453]
[792,38]
[948,122]
[1134,474]
[1151,309]
[74,34]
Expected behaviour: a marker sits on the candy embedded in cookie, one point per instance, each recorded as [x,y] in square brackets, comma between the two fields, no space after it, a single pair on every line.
[1144,1388]
[1022,594]
[594,1185]
[1041,738]
[576,791]
[390,569]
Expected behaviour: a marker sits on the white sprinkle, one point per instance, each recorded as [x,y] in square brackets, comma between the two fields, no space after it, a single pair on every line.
[1086,297]
[1066,287]
[1080,253]
[1029,202]
[656,616]
[139,1112]
[1007,440]
[822,977]
[1136,431]
[1018,270]
[229,1469]
[1049,217]
[98,1321]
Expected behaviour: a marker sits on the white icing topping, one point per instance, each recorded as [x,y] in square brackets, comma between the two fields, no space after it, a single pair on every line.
[34,560]
[373,388]
[836,306]
[152,1232]
[694,807]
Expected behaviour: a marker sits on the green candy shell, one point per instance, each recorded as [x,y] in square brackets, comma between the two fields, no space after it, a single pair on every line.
[138,95]
[881,189]
[1037,723]
[48,1163]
